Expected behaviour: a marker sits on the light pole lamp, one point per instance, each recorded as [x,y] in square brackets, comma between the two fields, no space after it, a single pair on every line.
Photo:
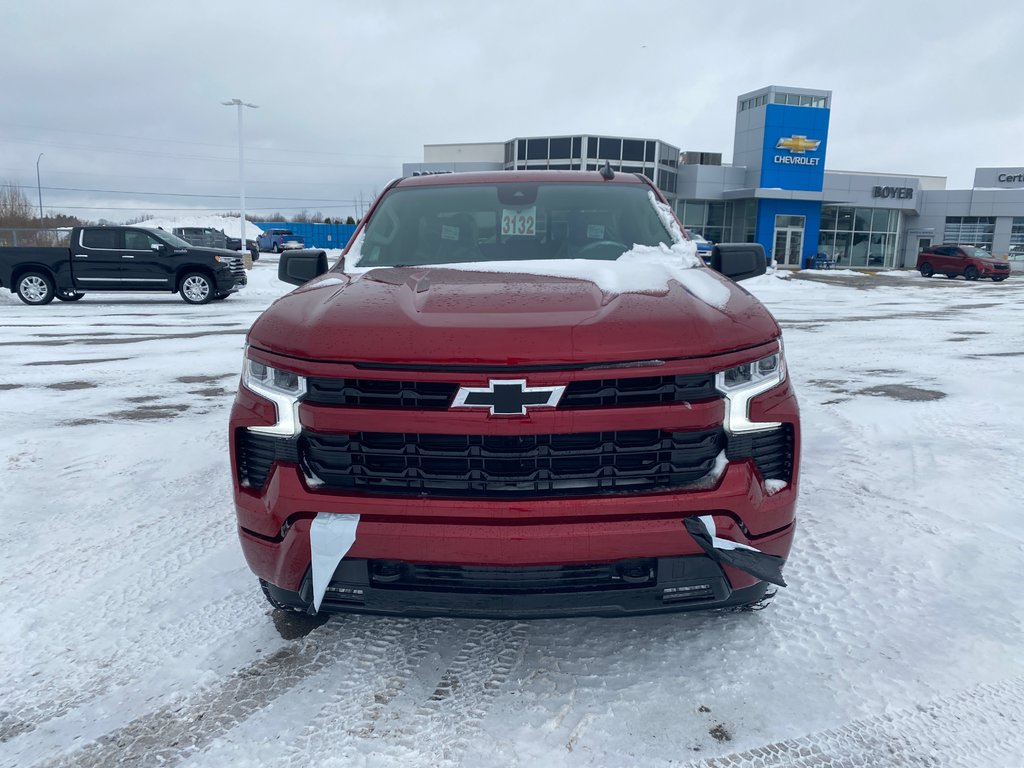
[241,161]
[39,188]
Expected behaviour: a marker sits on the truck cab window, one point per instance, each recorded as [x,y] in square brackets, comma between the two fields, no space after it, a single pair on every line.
[138,241]
[100,238]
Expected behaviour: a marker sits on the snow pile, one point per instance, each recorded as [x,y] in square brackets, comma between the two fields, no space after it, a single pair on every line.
[229,225]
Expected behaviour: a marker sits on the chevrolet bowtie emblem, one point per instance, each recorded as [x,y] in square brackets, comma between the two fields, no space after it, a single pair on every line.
[798,144]
[508,398]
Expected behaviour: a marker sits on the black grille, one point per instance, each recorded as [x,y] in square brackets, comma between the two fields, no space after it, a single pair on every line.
[427,395]
[511,465]
[371,393]
[238,271]
[255,453]
[627,574]
[772,451]
[647,390]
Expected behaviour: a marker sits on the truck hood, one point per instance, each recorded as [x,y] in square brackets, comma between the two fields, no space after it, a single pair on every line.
[438,316]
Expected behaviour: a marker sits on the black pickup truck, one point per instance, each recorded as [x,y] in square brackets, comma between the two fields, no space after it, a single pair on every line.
[121,259]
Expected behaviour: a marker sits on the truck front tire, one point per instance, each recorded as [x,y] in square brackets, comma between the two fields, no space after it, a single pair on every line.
[35,288]
[197,288]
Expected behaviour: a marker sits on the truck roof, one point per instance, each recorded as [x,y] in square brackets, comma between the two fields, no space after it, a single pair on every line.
[512,177]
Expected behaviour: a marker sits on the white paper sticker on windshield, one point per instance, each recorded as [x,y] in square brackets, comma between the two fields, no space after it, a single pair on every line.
[519,222]
[449,232]
[595,231]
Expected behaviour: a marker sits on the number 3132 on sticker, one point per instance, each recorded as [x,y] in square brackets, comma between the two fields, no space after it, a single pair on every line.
[519,221]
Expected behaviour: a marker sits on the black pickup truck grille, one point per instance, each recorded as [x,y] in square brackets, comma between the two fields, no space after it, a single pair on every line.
[425,395]
[238,270]
[510,465]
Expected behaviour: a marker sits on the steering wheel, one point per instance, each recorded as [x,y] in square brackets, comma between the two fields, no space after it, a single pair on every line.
[597,245]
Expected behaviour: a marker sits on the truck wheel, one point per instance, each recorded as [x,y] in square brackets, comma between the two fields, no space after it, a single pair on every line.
[926,270]
[69,295]
[196,288]
[971,273]
[35,288]
[277,248]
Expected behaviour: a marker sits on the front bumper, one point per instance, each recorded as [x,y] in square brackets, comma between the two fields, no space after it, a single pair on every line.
[677,584]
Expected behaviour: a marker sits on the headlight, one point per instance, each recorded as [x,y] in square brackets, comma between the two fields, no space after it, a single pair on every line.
[282,388]
[742,383]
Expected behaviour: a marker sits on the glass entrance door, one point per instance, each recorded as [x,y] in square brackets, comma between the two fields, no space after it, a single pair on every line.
[923,242]
[789,240]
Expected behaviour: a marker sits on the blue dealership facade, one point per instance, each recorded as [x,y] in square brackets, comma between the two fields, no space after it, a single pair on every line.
[778,191]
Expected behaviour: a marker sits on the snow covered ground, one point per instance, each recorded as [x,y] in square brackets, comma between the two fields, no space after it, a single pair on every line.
[134,633]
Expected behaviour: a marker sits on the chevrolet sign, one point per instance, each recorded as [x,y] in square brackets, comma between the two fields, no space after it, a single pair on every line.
[798,146]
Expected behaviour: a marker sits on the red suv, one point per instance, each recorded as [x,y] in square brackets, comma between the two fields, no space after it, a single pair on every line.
[952,260]
[516,394]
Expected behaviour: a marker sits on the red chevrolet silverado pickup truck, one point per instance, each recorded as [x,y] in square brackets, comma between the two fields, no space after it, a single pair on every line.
[516,394]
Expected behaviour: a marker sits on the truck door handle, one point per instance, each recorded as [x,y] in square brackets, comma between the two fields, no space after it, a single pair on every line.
[127,256]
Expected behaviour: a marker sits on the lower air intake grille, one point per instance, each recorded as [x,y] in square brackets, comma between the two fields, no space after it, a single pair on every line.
[771,450]
[510,465]
[513,580]
[255,453]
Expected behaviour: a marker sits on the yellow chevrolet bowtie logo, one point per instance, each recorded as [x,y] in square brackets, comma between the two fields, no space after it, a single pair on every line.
[798,144]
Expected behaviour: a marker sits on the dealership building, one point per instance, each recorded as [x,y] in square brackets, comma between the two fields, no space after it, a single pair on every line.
[778,191]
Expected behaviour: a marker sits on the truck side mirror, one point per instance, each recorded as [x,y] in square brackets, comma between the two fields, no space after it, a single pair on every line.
[298,267]
[739,261]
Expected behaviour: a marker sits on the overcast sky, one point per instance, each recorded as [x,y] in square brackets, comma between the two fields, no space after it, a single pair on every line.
[125,97]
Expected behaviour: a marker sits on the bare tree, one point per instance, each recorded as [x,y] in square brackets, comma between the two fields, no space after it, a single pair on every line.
[16,210]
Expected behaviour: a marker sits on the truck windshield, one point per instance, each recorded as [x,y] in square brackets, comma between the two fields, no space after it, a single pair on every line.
[510,222]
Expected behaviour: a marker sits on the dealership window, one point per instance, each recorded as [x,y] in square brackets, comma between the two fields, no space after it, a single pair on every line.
[1017,235]
[721,222]
[859,237]
[537,149]
[560,148]
[970,230]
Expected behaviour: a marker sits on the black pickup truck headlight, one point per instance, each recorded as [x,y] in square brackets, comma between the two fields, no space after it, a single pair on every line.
[741,383]
[282,388]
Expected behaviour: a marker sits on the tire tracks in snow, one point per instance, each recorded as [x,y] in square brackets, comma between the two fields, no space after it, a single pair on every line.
[978,727]
[369,667]
[394,710]
[467,689]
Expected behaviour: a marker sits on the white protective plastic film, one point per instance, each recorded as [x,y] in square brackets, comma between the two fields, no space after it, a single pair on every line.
[331,536]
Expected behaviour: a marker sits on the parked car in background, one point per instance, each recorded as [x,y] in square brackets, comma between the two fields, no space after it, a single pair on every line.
[278,240]
[121,259]
[953,260]
[703,246]
[215,238]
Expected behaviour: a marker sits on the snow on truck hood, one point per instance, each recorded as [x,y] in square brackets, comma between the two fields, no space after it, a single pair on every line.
[650,303]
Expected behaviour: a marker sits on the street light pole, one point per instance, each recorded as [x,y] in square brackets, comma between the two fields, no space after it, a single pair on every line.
[241,161]
[39,188]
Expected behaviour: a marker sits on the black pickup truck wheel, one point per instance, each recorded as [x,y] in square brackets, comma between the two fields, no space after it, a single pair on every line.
[69,295]
[35,288]
[197,288]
